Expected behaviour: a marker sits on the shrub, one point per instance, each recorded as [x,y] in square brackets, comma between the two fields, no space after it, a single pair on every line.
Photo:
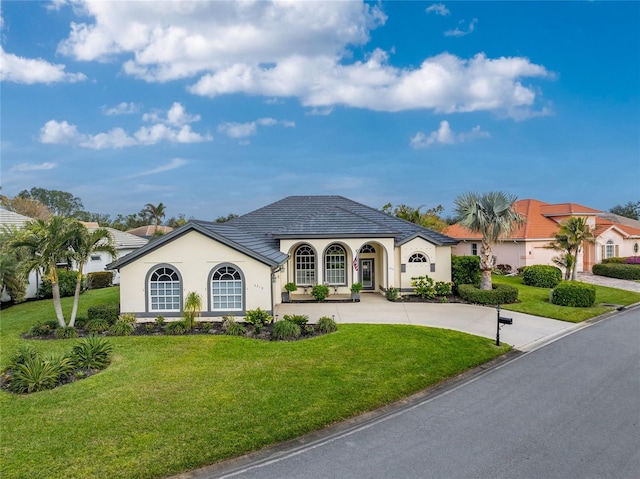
[66,283]
[503,269]
[620,271]
[574,293]
[320,292]
[43,329]
[92,352]
[121,328]
[285,329]
[66,332]
[299,319]
[99,279]
[149,328]
[500,294]
[175,328]
[127,318]
[632,260]
[97,325]
[391,293]
[81,322]
[541,276]
[423,287]
[443,288]
[160,321]
[108,312]
[326,325]
[22,354]
[290,287]
[37,373]
[204,326]
[232,328]
[465,270]
[258,318]
[356,287]
[614,260]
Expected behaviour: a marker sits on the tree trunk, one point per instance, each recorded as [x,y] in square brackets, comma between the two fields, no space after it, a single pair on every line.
[55,289]
[574,271]
[76,296]
[486,266]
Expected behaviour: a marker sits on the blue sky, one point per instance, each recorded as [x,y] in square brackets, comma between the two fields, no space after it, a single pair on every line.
[219,107]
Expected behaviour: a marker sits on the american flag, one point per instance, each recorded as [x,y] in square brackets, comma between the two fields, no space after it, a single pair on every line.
[355,263]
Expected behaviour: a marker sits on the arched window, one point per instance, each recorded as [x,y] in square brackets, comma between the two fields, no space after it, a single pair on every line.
[418,258]
[227,289]
[305,259]
[164,289]
[335,260]
[367,248]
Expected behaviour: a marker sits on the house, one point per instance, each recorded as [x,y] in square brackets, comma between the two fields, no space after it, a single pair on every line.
[615,235]
[9,219]
[244,263]
[124,243]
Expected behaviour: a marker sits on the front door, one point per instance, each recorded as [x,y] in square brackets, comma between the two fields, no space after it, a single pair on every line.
[366,274]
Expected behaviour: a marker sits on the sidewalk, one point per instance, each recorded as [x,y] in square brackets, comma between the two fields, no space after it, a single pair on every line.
[527,332]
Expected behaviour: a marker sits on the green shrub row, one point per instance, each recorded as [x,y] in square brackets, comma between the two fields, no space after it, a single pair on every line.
[107,312]
[501,294]
[574,293]
[465,270]
[99,279]
[541,276]
[620,271]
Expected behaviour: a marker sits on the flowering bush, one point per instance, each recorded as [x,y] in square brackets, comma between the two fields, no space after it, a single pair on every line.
[632,260]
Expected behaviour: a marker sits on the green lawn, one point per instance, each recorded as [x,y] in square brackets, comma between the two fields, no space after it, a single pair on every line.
[536,301]
[169,404]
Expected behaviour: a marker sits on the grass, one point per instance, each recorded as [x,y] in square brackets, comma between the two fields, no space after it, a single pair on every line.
[536,301]
[169,404]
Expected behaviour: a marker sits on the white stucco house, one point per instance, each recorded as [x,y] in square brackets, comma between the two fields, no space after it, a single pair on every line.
[243,264]
[614,235]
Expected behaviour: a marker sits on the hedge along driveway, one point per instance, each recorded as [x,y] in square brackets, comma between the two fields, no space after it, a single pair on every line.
[536,301]
[169,404]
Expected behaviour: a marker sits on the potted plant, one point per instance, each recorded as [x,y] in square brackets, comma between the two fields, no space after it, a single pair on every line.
[355,291]
[290,288]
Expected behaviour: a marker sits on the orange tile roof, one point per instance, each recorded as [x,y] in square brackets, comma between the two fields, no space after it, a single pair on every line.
[567,209]
[603,224]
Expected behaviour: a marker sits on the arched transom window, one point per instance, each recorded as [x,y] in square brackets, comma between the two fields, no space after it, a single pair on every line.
[226,289]
[367,248]
[417,258]
[334,265]
[305,259]
[164,290]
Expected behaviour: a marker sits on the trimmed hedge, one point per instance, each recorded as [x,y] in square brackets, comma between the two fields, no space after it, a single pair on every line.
[66,282]
[620,271]
[574,293]
[107,312]
[501,294]
[541,276]
[465,270]
[99,279]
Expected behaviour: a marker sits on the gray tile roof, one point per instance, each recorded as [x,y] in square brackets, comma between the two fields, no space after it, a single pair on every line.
[331,216]
[9,218]
[257,233]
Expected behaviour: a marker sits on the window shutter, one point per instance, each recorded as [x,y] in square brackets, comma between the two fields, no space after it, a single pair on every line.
[616,249]
[603,253]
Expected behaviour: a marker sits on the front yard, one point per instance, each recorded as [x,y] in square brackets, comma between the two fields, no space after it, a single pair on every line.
[536,301]
[168,404]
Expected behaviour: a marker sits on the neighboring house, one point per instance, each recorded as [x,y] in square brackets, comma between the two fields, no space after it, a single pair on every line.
[244,263]
[124,243]
[10,219]
[615,236]
[148,231]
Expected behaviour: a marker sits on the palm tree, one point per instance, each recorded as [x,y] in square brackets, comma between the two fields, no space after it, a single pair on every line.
[84,244]
[11,277]
[192,308]
[492,215]
[571,235]
[155,213]
[46,243]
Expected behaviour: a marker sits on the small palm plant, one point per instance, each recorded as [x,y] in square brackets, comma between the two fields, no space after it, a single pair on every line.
[192,308]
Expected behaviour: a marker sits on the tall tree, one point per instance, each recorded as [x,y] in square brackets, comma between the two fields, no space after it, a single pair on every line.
[224,219]
[26,207]
[60,203]
[629,210]
[429,219]
[570,238]
[84,244]
[46,243]
[155,212]
[492,215]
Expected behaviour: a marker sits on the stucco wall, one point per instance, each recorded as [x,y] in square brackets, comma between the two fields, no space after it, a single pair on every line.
[194,256]
[625,246]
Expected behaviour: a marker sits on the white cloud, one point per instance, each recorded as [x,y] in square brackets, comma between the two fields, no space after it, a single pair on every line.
[58,132]
[116,138]
[176,116]
[157,133]
[172,165]
[438,9]
[30,71]
[445,136]
[123,108]
[461,33]
[243,130]
[34,167]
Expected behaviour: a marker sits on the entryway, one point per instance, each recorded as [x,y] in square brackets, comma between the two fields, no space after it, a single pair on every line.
[367,274]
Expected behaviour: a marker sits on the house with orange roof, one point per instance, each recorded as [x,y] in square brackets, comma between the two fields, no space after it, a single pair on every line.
[615,235]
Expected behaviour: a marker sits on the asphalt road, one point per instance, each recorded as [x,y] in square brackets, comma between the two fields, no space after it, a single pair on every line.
[568,410]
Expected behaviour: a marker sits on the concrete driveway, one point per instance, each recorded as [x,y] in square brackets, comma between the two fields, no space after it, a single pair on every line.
[526,333]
